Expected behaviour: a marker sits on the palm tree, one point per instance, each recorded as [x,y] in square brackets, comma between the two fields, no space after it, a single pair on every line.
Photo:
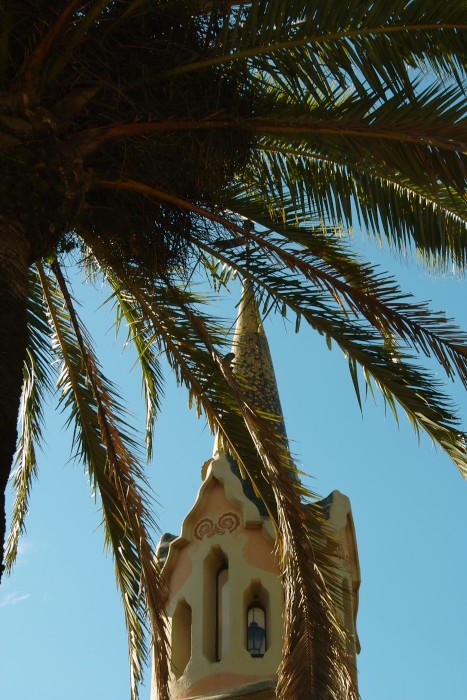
[153,139]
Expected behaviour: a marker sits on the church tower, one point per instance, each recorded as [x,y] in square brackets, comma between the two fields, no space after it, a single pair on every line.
[225,598]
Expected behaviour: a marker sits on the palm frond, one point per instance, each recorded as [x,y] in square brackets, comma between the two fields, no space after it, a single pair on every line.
[340,166]
[377,297]
[358,288]
[416,391]
[37,383]
[364,44]
[108,453]
[140,336]
[190,342]
[378,352]
[399,168]
[137,336]
[413,221]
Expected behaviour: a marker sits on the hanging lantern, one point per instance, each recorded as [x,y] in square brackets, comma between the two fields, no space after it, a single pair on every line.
[256,630]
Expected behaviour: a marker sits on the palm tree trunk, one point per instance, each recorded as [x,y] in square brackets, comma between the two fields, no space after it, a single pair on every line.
[14,265]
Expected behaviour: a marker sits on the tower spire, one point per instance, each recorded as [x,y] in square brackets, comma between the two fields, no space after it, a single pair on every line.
[252,364]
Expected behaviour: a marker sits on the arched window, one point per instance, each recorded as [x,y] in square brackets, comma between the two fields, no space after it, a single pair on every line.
[216,624]
[256,629]
[181,637]
[257,611]
[222,611]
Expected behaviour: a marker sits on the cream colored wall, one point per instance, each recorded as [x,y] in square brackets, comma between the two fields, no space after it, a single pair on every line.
[347,565]
[203,675]
[225,522]
[225,525]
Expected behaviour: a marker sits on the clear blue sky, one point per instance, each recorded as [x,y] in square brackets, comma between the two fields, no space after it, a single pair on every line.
[62,632]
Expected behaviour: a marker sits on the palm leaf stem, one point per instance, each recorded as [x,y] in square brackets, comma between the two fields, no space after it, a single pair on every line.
[130,185]
[292,128]
[36,59]
[355,131]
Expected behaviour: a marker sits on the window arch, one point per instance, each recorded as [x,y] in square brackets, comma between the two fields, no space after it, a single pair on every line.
[181,637]
[222,611]
[256,629]
[257,619]
[216,605]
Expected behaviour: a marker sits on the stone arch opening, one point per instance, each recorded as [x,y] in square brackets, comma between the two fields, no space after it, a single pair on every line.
[257,611]
[181,638]
[216,605]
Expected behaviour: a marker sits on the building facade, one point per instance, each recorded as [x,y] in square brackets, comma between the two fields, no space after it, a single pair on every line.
[225,598]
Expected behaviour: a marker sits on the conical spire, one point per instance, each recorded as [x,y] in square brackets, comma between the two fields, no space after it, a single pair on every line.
[252,364]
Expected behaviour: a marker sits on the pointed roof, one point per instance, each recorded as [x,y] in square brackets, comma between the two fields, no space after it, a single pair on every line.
[252,364]
[254,371]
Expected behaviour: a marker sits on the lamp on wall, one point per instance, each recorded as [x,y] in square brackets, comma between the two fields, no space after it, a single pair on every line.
[256,630]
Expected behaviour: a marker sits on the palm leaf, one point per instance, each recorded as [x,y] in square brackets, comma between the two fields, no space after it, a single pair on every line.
[390,365]
[417,392]
[140,337]
[104,448]
[137,336]
[190,341]
[37,382]
[357,288]
[367,44]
